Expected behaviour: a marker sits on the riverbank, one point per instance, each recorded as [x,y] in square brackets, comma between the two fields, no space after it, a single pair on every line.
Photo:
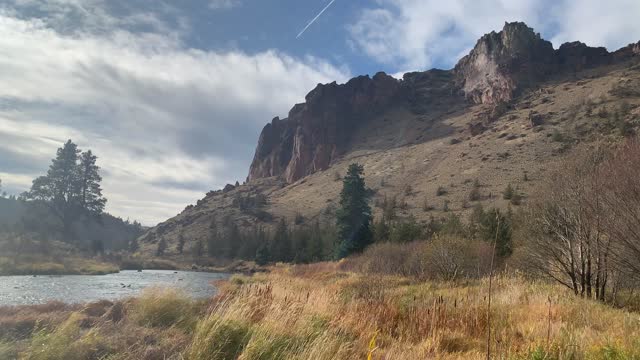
[54,265]
[40,264]
[320,312]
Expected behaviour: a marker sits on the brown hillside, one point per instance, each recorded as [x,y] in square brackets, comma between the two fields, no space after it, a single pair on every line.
[502,116]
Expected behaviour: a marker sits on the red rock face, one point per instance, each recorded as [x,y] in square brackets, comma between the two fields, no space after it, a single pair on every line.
[320,129]
[500,65]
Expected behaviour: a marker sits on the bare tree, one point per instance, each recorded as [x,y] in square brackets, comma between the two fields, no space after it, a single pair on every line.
[621,204]
[566,240]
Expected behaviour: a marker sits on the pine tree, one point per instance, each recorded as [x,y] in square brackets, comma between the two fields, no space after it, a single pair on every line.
[354,216]
[71,187]
[508,192]
[91,199]
[262,254]
[316,249]
[212,239]
[181,242]
[281,249]
[198,249]
[162,247]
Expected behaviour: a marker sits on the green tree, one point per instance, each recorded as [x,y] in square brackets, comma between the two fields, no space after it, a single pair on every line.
[281,249]
[162,247]
[3,194]
[508,192]
[263,256]
[212,239]
[406,231]
[181,242]
[91,199]
[353,218]
[71,187]
[381,230]
[198,248]
[496,226]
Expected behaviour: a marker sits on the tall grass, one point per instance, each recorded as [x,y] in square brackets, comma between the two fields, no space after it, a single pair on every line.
[320,312]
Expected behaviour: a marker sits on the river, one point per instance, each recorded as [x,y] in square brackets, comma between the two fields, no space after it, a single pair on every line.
[29,290]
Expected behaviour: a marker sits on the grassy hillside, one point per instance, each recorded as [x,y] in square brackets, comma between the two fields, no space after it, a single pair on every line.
[322,312]
[439,161]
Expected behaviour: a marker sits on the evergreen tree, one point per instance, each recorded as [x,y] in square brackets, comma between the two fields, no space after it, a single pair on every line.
[71,187]
[133,245]
[381,230]
[198,249]
[281,244]
[508,192]
[234,239]
[262,254]
[316,248]
[212,239]
[181,242]
[353,218]
[162,247]
[496,226]
[91,199]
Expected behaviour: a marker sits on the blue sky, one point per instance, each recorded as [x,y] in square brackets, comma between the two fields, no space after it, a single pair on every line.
[172,95]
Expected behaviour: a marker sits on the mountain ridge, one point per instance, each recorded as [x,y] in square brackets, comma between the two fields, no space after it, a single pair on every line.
[502,116]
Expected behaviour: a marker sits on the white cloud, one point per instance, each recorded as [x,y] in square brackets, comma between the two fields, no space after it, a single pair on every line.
[168,122]
[421,33]
[224,4]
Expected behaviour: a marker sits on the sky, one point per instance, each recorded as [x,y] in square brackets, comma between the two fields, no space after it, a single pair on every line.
[172,95]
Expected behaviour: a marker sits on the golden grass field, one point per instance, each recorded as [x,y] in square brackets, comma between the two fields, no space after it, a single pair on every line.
[320,312]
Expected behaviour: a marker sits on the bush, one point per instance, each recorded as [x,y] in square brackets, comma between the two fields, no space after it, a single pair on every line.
[68,341]
[163,308]
[443,258]
[406,231]
[219,339]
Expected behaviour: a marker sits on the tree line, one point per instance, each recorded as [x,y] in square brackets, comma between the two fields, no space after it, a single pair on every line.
[66,204]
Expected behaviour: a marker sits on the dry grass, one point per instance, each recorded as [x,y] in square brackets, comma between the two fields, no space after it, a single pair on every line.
[319,312]
[54,265]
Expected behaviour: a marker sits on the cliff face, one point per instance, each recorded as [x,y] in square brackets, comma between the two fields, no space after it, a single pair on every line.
[500,66]
[502,62]
[321,128]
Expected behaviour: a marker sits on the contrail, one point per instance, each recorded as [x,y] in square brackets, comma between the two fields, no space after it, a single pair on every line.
[314,19]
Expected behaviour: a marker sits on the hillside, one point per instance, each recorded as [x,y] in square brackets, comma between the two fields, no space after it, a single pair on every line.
[436,141]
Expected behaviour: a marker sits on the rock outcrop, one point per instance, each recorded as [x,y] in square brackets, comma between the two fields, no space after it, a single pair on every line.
[504,62]
[500,66]
[320,129]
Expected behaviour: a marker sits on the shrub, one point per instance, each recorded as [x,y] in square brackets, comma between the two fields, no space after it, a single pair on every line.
[443,258]
[508,192]
[406,231]
[474,194]
[219,339]
[163,308]
[557,136]
[67,341]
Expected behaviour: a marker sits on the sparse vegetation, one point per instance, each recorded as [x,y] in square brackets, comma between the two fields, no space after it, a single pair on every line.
[332,311]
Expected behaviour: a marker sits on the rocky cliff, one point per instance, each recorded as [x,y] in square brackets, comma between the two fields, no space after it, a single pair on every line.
[500,66]
[319,130]
[436,141]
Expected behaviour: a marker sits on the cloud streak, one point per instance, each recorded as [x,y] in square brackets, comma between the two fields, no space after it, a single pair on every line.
[315,19]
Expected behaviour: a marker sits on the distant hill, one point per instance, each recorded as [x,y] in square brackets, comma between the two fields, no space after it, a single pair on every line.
[434,142]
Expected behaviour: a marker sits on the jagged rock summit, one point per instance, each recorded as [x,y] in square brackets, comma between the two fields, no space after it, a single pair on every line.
[501,65]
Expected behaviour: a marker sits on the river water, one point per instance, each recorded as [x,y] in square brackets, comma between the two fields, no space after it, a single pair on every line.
[29,290]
